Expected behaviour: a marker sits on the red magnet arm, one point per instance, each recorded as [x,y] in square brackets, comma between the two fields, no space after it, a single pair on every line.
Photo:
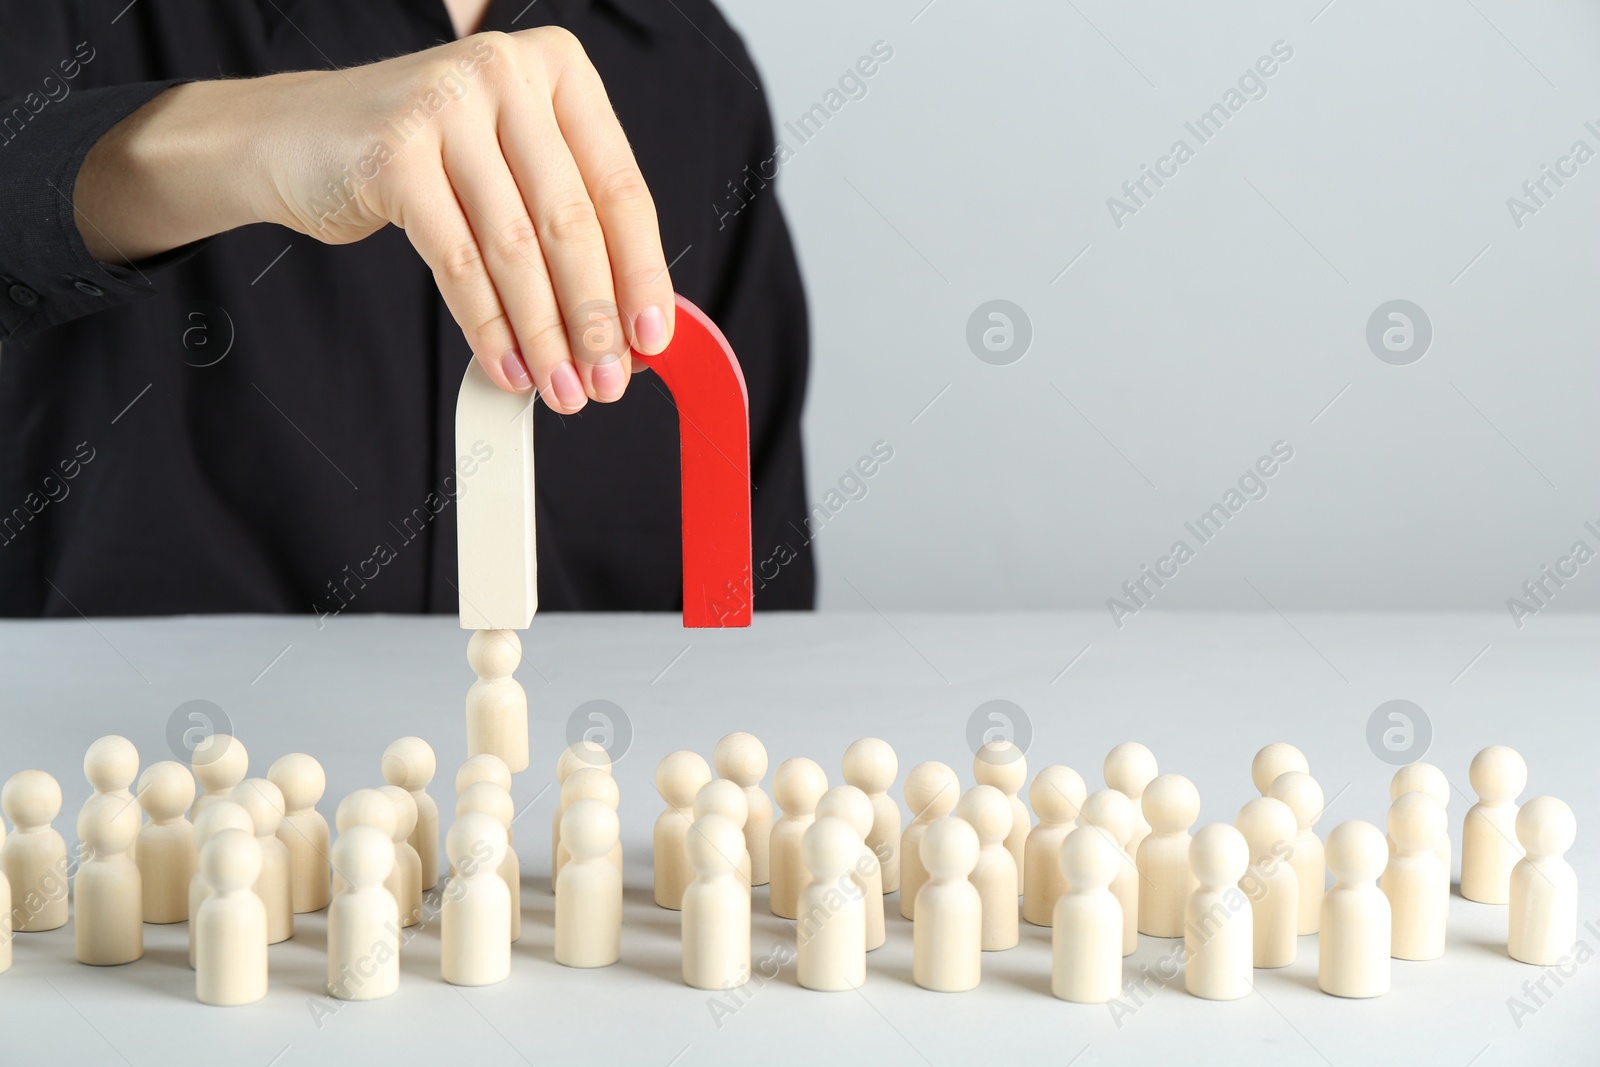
[703,375]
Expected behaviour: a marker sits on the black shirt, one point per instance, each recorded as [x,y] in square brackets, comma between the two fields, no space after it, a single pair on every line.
[245,425]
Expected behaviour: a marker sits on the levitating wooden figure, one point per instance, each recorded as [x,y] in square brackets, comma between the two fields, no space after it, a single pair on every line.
[1489,846]
[473,947]
[1171,805]
[34,858]
[797,785]
[302,781]
[1353,932]
[109,924]
[1129,769]
[219,816]
[363,924]
[852,807]
[165,850]
[230,940]
[409,763]
[1304,796]
[1086,942]
[679,777]
[1273,760]
[1057,793]
[219,763]
[1217,939]
[589,888]
[716,908]
[742,759]
[485,798]
[405,877]
[723,797]
[497,706]
[265,804]
[1001,764]
[995,876]
[589,783]
[947,940]
[1417,886]
[1269,830]
[831,930]
[931,792]
[871,766]
[1544,888]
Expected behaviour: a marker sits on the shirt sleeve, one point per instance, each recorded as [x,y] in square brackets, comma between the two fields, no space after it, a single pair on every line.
[47,275]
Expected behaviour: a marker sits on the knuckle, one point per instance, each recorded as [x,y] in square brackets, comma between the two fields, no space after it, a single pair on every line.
[558,40]
[623,186]
[493,329]
[572,220]
[643,279]
[546,342]
[518,241]
[463,265]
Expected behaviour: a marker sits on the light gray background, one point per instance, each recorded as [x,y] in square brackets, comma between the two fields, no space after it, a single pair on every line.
[1224,316]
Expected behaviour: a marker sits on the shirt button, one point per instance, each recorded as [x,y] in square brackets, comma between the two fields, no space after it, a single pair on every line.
[88,289]
[22,296]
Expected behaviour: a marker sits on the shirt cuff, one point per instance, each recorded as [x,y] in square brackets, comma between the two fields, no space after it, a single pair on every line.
[47,275]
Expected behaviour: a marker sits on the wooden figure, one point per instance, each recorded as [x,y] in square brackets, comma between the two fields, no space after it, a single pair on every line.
[831,932]
[363,924]
[218,816]
[1416,885]
[405,874]
[497,707]
[230,938]
[409,763]
[1426,778]
[1057,793]
[947,939]
[1111,812]
[742,759]
[473,947]
[589,888]
[723,797]
[871,766]
[589,783]
[1269,829]
[797,785]
[363,807]
[578,756]
[1273,760]
[679,777]
[699,368]
[716,908]
[110,765]
[1086,942]
[265,804]
[1002,765]
[854,808]
[1304,796]
[931,791]
[302,781]
[109,926]
[1171,805]
[165,852]
[1353,932]
[484,767]
[1129,768]
[995,876]
[34,858]
[486,798]
[1217,938]
[1544,888]
[1489,846]
[219,763]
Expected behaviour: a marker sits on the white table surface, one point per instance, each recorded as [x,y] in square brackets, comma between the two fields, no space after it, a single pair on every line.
[1204,691]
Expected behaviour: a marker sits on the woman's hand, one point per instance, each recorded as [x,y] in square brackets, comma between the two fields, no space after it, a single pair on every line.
[498,154]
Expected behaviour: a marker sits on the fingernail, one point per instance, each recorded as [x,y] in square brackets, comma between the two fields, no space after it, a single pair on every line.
[516,371]
[568,389]
[650,330]
[608,379]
